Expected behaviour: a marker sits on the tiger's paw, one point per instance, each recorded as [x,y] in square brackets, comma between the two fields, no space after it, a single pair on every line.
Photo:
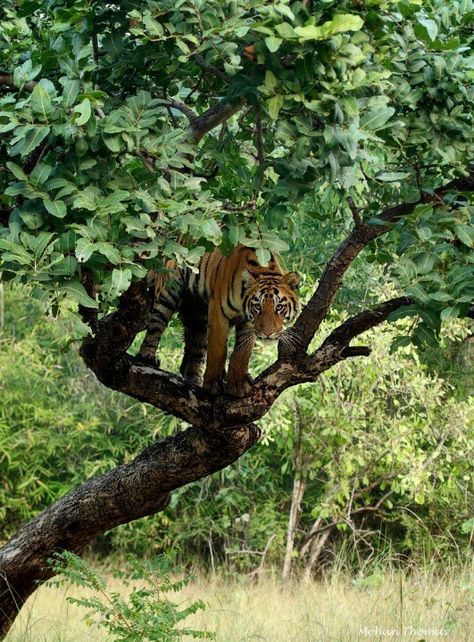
[239,387]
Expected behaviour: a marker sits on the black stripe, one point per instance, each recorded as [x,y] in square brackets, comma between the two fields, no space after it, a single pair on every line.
[231,305]
[169,305]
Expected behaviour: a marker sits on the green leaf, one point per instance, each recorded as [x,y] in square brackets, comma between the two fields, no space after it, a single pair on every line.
[70,91]
[25,73]
[84,249]
[56,208]
[274,105]
[467,526]
[30,214]
[32,137]
[16,252]
[153,27]
[121,280]
[405,311]
[76,291]
[400,342]
[430,26]
[66,266]
[273,43]
[376,118]
[263,255]
[38,243]
[465,234]
[339,24]
[425,262]
[390,177]
[108,250]
[40,174]
[17,171]
[450,312]
[270,81]
[114,143]
[84,112]
[424,233]
[417,292]
[41,99]
[286,31]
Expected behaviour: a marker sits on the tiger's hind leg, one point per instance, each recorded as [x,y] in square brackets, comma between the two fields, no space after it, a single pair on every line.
[163,308]
[194,320]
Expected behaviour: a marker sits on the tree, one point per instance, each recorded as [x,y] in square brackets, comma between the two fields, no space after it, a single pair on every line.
[359,114]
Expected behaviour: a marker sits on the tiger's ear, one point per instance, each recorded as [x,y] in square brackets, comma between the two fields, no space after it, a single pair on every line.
[292,280]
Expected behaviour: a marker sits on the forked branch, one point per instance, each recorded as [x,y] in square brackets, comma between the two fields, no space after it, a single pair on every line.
[315,311]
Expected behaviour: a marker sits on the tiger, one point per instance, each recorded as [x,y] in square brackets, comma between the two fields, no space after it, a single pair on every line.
[226,292]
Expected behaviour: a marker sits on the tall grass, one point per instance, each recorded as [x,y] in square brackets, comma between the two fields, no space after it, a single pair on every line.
[423,605]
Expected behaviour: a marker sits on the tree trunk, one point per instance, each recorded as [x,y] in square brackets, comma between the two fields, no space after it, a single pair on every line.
[299,486]
[128,492]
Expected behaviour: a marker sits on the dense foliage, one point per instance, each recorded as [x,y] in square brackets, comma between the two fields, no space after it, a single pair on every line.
[106,166]
[401,431]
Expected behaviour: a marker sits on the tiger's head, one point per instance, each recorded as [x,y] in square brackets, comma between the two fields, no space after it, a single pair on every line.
[270,302]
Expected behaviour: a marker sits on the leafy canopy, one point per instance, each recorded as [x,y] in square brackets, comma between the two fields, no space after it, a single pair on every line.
[111,157]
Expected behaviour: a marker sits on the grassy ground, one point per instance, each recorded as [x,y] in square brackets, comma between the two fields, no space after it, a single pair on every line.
[388,606]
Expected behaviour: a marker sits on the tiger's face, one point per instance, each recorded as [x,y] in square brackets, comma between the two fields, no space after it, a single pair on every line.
[270,302]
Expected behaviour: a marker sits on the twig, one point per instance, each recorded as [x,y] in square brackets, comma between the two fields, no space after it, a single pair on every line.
[260,149]
[211,68]
[213,117]
[355,212]
[146,161]
[251,205]
[189,113]
[35,157]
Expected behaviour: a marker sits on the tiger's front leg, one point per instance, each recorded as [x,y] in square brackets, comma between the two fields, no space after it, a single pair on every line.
[217,336]
[239,382]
